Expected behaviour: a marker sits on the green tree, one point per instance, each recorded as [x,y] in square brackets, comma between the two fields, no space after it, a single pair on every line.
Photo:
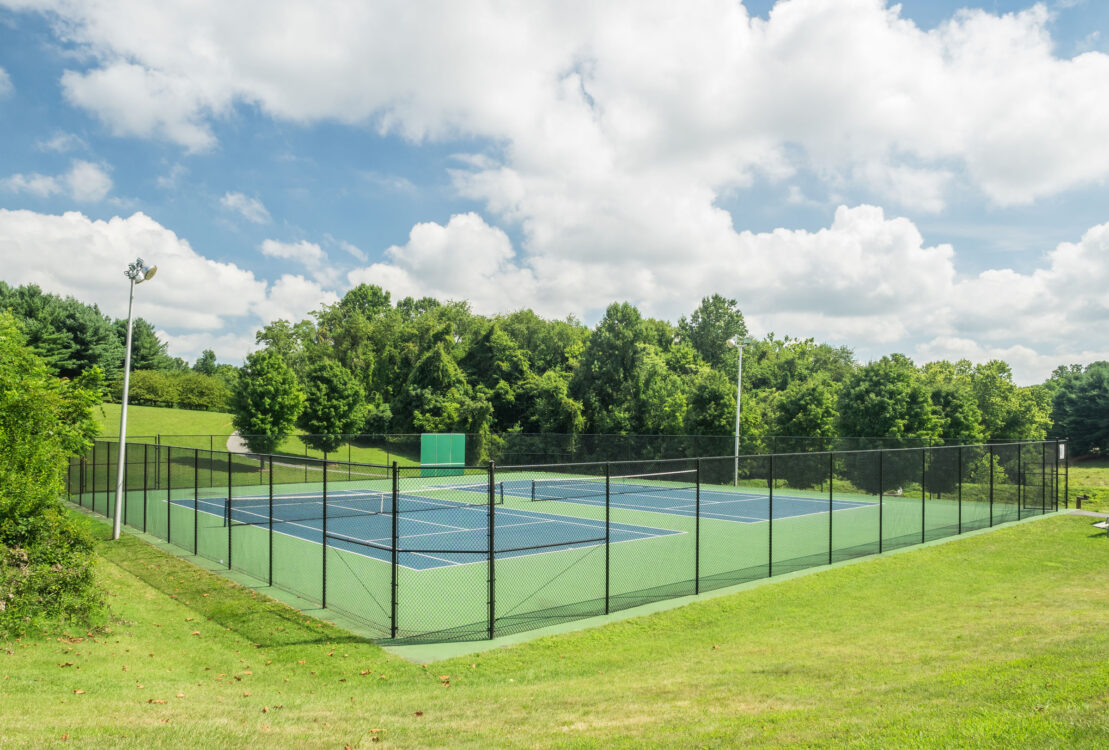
[266,401]
[711,408]
[148,352]
[661,403]
[954,402]
[550,407]
[606,379]
[888,398]
[711,326]
[433,396]
[45,555]
[206,363]
[1081,409]
[334,405]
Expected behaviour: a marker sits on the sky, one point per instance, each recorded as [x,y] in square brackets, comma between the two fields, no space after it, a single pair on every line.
[926,177]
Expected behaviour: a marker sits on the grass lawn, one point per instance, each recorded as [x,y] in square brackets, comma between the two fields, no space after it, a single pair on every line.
[1090,477]
[197,426]
[993,640]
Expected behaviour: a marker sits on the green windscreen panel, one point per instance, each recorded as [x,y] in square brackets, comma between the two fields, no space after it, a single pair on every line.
[440,451]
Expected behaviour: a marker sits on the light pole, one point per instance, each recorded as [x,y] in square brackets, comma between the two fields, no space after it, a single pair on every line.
[739,343]
[137,272]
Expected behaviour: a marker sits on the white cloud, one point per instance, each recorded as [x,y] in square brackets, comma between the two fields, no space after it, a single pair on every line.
[292,297]
[196,300]
[308,254]
[172,179]
[867,281]
[711,94]
[229,347]
[6,86]
[85,182]
[138,101]
[250,209]
[466,259]
[61,142]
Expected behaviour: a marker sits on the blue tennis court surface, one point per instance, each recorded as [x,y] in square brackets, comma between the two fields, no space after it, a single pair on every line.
[724,505]
[428,538]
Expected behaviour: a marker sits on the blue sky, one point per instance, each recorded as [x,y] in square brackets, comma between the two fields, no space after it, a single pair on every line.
[928,178]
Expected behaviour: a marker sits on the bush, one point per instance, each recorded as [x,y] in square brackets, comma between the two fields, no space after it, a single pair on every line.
[45,554]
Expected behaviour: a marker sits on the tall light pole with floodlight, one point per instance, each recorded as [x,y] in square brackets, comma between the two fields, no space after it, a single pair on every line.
[137,272]
[739,343]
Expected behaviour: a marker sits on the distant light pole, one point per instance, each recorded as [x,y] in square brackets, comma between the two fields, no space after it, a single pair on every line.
[739,343]
[137,272]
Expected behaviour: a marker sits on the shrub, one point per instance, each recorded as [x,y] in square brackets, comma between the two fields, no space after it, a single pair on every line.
[45,554]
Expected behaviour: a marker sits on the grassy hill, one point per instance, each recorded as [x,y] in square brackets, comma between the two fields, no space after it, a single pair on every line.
[997,640]
[193,429]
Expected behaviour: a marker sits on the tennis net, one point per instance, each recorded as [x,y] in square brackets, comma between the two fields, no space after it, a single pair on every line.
[583,488]
[254,510]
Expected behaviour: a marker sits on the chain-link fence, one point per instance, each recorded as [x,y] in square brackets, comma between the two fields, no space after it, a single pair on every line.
[442,553]
[525,448]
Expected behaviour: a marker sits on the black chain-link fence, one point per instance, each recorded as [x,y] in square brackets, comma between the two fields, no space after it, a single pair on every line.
[520,448]
[442,553]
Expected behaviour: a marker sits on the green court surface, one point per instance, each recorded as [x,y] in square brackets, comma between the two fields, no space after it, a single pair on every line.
[472,569]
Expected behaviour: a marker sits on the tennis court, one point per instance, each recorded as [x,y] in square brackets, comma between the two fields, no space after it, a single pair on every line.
[459,552]
[434,530]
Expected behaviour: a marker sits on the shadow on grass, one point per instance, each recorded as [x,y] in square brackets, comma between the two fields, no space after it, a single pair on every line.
[263,622]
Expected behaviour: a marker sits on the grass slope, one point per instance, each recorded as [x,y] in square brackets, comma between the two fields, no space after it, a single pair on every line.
[192,429]
[1090,477]
[996,640]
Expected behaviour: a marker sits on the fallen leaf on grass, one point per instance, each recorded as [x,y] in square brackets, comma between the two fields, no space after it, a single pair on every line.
[78,692]
[180,695]
[246,695]
[67,664]
[419,713]
[151,700]
[265,709]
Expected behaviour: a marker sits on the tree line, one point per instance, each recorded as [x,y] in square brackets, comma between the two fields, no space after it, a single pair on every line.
[367,364]
[72,337]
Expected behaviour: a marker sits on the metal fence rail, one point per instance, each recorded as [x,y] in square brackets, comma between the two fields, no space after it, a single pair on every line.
[445,553]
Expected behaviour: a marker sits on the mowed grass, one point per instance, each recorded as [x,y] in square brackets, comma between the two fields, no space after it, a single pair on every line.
[1090,477]
[995,640]
[209,430]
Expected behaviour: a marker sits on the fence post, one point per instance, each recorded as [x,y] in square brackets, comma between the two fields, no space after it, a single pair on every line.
[881,495]
[960,501]
[831,505]
[608,537]
[991,485]
[393,552]
[492,553]
[269,520]
[196,500]
[1020,479]
[169,493]
[126,483]
[230,495]
[770,523]
[323,547]
[1066,478]
[1043,478]
[145,472]
[697,534]
[923,488]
